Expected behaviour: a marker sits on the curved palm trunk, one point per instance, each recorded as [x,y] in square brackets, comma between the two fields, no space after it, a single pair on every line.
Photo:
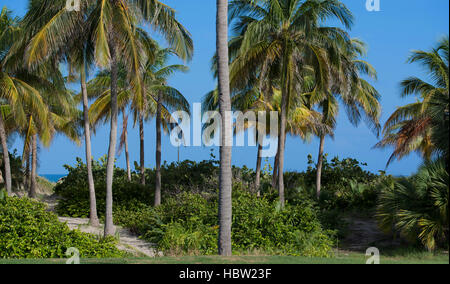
[109,225]
[93,217]
[6,162]
[33,182]
[225,202]
[27,172]
[158,154]
[258,170]
[127,155]
[142,147]
[319,166]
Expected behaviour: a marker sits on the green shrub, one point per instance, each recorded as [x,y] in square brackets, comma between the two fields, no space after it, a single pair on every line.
[417,207]
[27,230]
[74,190]
[187,224]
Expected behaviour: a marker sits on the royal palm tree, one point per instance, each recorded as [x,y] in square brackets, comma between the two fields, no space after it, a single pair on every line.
[112,26]
[225,186]
[422,126]
[284,35]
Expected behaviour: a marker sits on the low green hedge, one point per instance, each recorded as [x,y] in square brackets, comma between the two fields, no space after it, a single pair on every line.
[27,230]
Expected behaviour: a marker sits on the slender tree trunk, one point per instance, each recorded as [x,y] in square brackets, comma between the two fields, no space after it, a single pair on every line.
[282,140]
[225,201]
[258,170]
[27,172]
[93,217]
[142,147]
[158,154]
[33,182]
[275,171]
[319,166]
[109,225]
[127,156]
[6,162]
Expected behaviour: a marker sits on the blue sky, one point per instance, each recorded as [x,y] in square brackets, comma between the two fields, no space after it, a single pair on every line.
[400,26]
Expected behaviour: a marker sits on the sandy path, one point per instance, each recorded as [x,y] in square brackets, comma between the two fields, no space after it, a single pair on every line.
[127,241]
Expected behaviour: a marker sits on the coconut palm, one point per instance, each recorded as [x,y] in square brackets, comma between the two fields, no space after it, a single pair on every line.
[422,126]
[357,95]
[81,59]
[112,26]
[282,36]
[167,99]
[18,92]
[62,118]
[160,99]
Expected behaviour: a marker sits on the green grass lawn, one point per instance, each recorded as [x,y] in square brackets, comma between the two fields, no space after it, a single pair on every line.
[353,258]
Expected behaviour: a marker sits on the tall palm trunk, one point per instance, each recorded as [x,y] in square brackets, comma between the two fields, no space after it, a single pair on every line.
[282,139]
[109,225]
[127,155]
[158,154]
[275,171]
[258,170]
[319,166]
[6,163]
[225,202]
[93,217]
[33,182]
[142,147]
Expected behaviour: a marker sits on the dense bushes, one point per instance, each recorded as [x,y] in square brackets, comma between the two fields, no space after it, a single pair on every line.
[346,186]
[186,176]
[417,207]
[187,224]
[28,231]
[74,190]
[187,220]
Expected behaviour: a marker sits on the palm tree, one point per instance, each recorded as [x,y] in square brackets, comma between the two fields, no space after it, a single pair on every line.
[100,110]
[161,100]
[112,26]
[18,94]
[422,126]
[167,98]
[283,36]
[347,85]
[225,206]
[81,59]
[62,117]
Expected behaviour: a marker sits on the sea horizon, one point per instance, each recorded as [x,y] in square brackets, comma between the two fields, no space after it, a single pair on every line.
[53,177]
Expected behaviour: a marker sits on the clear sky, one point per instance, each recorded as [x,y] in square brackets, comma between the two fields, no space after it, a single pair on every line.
[400,26]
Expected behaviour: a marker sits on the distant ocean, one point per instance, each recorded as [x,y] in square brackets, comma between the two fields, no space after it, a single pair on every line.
[53,178]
